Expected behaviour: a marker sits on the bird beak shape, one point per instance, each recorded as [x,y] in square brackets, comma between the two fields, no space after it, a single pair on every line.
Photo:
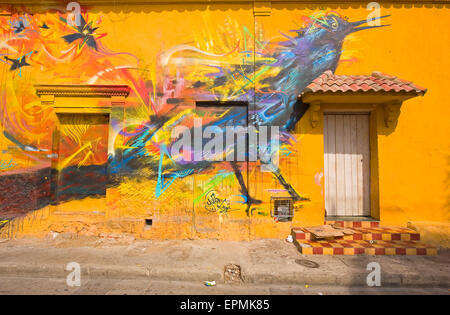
[358,23]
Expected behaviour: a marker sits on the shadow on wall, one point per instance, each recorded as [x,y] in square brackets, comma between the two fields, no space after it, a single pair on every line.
[22,193]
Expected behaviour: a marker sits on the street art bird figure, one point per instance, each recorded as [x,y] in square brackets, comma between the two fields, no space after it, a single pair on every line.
[294,63]
[20,27]
[17,64]
[269,79]
[85,32]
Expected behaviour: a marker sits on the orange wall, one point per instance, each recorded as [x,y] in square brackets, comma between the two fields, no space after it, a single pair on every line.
[413,158]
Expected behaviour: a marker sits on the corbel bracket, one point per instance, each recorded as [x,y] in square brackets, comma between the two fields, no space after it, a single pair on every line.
[314,108]
[391,112]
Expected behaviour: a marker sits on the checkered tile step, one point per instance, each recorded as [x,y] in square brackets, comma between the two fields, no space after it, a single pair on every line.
[355,224]
[367,234]
[351,247]
[369,238]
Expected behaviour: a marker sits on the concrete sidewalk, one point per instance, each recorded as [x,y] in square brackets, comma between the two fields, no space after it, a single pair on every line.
[261,261]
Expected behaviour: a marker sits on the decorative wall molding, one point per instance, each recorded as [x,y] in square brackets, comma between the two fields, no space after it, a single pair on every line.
[162,2]
[83,90]
[118,100]
[49,95]
[262,8]
[48,99]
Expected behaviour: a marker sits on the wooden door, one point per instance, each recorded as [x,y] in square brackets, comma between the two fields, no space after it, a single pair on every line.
[347,164]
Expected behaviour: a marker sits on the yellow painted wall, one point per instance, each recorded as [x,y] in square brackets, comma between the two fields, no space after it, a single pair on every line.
[413,158]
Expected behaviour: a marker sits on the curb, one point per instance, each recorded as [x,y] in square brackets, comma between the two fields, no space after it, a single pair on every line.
[270,277]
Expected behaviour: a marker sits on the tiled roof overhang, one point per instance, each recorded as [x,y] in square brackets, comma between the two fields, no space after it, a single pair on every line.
[377,89]
[374,88]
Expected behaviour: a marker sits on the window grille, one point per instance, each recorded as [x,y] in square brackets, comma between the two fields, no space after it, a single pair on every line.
[282,208]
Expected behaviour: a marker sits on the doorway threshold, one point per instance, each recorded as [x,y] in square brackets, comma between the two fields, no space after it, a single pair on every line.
[349,218]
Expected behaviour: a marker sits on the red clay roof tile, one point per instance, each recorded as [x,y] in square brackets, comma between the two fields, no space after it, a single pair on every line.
[376,82]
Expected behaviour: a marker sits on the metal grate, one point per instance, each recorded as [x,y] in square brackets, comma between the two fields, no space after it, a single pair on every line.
[282,208]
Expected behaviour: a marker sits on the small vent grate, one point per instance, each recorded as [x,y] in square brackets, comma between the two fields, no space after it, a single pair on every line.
[282,208]
[148,224]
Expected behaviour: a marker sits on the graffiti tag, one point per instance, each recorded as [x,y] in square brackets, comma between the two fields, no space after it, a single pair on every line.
[216,204]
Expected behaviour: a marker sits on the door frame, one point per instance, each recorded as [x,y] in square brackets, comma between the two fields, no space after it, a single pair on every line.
[374,112]
[242,179]
[82,99]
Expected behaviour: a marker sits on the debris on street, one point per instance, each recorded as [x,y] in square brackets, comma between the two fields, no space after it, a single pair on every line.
[210,283]
[232,273]
[328,231]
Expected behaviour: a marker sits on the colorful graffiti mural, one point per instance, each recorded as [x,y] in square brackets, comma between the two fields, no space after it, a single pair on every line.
[264,76]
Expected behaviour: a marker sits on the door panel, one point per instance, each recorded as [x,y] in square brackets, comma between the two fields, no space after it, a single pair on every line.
[364,151]
[82,150]
[218,190]
[346,164]
[340,166]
